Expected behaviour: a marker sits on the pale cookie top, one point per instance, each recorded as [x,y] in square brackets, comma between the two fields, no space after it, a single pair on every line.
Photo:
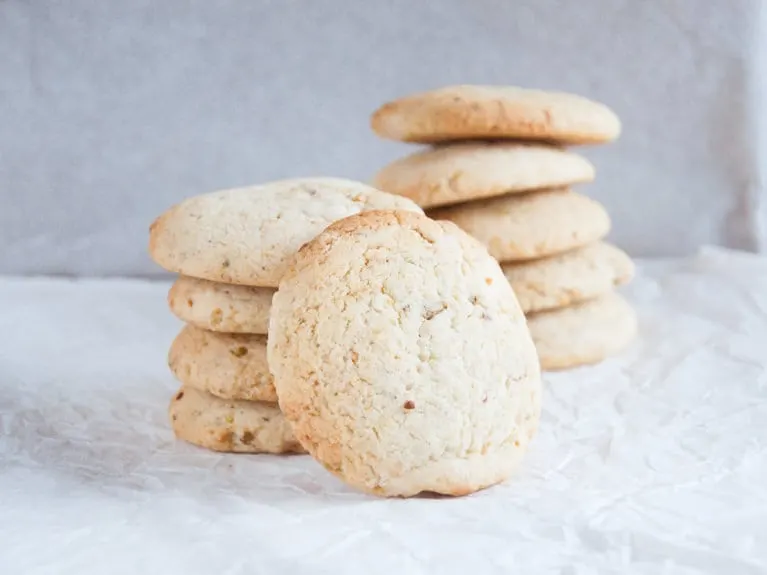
[221,307]
[526,226]
[584,333]
[248,235]
[469,112]
[568,278]
[470,171]
[228,425]
[232,366]
[402,359]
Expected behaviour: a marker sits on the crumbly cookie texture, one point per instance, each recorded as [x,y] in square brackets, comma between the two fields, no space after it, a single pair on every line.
[402,358]
[467,112]
[230,366]
[470,171]
[583,334]
[221,307]
[229,425]
[248,236]
[533,225]
[569,278]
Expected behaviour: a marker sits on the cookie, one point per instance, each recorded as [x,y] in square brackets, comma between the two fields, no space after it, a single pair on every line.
[227,365]
[469,112]
[582,334]
[526,226]
[569,278]
[221,307]
[230,425]
[402,358]
[248,236]
[471,171]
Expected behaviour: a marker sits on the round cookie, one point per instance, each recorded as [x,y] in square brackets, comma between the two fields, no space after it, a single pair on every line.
[229,425]
[249,235]
[402,359]
[468,112]
[568,278]
[227,365]
[471,171]
[582,334]
[533,225]
[221,307]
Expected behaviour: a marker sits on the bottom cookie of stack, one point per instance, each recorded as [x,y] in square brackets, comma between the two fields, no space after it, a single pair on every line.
[230,425]
[584,333]
[227,401]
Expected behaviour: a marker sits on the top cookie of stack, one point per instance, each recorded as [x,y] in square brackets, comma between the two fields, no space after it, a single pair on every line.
[499,168]
[231,249]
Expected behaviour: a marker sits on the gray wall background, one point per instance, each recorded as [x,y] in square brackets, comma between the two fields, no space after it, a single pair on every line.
[112,111]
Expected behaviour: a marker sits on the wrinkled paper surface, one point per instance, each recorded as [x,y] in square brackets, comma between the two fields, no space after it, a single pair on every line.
[653,462]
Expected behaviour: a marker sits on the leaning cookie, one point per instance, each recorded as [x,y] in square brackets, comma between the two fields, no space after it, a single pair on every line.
[221,307]
[467,112]
[472,171]
[248,236]
[230,366]
[402,358]
[532,225]
[583,334]
[228,425]
[568,278]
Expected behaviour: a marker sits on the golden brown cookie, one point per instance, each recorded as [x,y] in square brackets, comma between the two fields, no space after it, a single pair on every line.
[230,425]
[221,307]
[532,225]
[469,112]
[402,359]
[472,171]
[248,236]
[570,277]
[230,366]
[582,334]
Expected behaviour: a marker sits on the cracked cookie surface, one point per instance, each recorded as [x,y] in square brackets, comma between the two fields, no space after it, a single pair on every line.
[247,236]
[402,358]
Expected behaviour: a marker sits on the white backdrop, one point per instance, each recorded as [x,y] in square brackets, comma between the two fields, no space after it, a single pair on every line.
[112,111]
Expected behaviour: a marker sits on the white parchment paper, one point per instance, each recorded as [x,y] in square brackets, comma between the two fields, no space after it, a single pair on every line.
[653,462]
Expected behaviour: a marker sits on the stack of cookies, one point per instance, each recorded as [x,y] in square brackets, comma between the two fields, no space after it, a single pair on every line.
[230,249]
[500,168]
[393,351]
